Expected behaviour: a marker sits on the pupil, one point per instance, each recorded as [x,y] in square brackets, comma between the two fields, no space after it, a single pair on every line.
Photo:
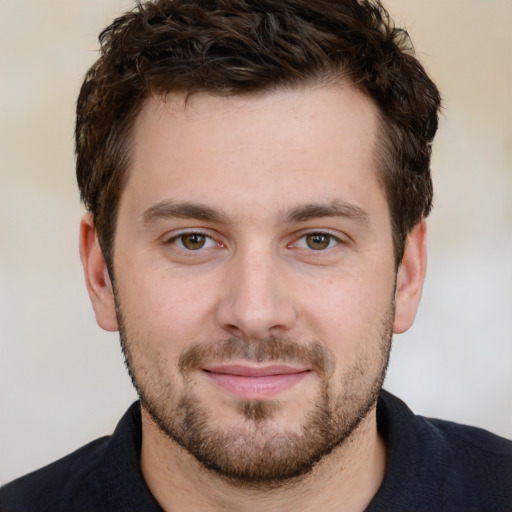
[194,241]
[318,241]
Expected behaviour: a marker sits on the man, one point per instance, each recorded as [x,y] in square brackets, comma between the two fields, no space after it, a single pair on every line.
[257,178]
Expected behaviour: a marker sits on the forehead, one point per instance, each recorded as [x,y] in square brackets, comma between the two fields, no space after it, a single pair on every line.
[290,145]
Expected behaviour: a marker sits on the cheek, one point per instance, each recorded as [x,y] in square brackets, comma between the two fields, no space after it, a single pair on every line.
[169,312]
[347,313]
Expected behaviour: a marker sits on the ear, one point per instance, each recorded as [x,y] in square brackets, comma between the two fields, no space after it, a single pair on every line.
[410,278]
[96,276]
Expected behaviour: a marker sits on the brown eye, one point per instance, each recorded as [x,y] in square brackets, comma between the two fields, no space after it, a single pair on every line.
[193,241]
[318,241]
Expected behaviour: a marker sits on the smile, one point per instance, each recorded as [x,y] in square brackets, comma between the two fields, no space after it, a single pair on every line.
[252,383]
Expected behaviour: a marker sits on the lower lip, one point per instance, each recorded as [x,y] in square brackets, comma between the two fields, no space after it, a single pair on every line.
[255,387]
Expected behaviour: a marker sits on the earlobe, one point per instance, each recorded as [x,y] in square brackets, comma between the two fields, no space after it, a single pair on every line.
[96,275]
[410,278]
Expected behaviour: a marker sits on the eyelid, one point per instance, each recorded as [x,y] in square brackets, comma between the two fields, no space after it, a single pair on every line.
[170,238]
[338,237]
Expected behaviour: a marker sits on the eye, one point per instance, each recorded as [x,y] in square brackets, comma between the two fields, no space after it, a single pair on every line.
[317,241]
[193,241]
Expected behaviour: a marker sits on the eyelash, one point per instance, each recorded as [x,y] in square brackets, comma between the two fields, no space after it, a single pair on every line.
[331,238]
[180,236]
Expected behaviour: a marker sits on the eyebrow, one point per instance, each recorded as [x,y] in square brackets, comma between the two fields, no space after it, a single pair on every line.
[190,210]
[182,210]
[336,208]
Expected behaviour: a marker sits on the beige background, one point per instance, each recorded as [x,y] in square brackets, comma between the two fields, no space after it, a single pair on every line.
[62,380]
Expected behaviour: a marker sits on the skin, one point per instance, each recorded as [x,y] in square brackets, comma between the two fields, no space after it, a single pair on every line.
[255,162]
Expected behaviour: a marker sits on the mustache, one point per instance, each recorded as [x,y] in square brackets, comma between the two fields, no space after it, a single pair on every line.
[272,348]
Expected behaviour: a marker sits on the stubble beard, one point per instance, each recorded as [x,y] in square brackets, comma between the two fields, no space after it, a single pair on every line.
[257,452]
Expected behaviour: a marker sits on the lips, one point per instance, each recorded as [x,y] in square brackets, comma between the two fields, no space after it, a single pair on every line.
[255,382]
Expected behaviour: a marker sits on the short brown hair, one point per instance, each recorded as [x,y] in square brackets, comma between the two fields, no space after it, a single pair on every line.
[235,47]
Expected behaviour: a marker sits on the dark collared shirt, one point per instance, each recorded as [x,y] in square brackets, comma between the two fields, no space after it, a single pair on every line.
[432,465]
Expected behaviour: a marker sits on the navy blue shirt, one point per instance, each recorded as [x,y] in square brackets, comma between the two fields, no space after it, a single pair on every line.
[433,466]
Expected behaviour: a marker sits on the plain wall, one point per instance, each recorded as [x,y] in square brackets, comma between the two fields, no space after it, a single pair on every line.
[62,379]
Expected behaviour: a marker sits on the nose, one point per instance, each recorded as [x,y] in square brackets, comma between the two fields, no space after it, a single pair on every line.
[255,301]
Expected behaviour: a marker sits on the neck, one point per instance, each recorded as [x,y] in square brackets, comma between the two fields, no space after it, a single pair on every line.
[345,480]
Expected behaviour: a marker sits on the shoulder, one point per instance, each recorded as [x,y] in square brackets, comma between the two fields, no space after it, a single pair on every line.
[478,463]
[468,442]
[476,441]
[437,465]
[52,487]
[103,475]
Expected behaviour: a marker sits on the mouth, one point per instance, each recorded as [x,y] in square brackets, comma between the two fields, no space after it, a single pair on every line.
[252,382]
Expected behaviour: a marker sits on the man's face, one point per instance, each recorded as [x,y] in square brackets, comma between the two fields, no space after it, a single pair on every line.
[254,275]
